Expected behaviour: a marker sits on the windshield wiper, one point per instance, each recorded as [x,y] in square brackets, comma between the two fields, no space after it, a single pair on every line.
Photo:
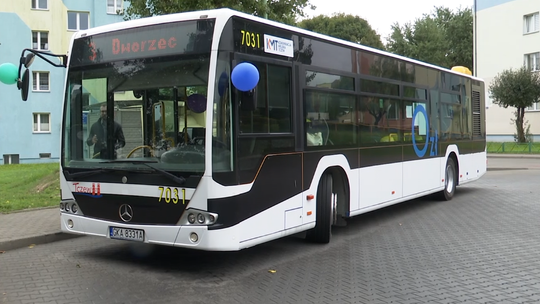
[84,173]
[177,179]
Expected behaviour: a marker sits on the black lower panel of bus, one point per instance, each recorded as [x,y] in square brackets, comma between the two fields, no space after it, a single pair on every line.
[279,178]
[142,210]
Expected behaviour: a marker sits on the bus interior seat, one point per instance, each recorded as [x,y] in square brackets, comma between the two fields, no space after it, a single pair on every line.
[192,133]
[198,133]
[321,126]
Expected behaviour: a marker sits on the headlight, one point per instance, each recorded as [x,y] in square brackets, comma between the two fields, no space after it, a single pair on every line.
[200,218]
[197,217]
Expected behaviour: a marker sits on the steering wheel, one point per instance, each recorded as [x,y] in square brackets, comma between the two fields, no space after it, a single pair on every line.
[139,148]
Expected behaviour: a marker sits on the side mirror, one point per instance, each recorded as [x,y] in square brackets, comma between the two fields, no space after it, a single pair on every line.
[10,74]
[23,85]
[27,60]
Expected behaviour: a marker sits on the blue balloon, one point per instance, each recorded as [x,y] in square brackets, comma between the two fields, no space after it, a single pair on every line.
[223,83]
[245,76]
[8,73]
[196,103]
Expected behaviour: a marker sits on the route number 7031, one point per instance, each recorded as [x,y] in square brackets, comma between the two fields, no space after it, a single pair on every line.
[169,194]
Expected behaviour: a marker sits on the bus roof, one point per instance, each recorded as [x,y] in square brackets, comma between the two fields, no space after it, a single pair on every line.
[226,13]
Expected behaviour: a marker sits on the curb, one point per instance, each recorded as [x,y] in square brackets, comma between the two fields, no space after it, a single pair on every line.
[28,210]
[36,240]
[505,169]
[533,156]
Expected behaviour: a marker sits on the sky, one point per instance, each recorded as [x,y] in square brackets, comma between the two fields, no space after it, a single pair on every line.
[381,14]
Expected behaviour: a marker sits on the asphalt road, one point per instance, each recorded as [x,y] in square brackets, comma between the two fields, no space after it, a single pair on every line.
[481,247]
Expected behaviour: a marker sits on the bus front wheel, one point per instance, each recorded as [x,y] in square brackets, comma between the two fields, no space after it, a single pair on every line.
[326,210]
[450,180]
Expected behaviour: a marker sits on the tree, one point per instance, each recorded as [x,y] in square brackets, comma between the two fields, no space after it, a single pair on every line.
[443,38]
[285,11]
[518,89]
[346,27]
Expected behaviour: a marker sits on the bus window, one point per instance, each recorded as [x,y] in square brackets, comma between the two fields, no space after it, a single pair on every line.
[273,111]
[417,128]
[380,120]
[148,98]
[331,119]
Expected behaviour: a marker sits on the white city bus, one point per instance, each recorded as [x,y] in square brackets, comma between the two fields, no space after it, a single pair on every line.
[224,131]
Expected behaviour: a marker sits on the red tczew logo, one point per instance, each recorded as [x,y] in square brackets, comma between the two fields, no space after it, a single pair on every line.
[94,191]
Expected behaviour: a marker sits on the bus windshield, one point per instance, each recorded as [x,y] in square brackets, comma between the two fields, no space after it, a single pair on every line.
[129,112]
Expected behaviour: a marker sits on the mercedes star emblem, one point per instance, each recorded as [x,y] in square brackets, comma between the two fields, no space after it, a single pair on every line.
[126,212]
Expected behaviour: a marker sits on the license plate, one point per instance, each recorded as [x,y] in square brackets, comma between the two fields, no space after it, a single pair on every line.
[126,234]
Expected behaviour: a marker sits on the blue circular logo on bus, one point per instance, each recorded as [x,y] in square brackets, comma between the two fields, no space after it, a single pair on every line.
[420,109]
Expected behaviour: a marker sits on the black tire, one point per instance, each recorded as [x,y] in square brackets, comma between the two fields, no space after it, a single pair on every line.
[450,180]
[322,232]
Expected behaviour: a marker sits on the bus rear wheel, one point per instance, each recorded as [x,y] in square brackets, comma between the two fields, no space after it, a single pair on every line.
[326,211]
[450,180]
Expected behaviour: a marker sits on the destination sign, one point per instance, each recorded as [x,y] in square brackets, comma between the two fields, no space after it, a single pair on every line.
[188,37]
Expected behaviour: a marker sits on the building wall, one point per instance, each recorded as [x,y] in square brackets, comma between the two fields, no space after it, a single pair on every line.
[501,44]
[18,20]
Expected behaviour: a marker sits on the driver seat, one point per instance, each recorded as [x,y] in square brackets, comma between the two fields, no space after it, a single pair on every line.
[198,135]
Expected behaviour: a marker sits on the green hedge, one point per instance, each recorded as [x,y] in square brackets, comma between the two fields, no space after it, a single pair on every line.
[513,148]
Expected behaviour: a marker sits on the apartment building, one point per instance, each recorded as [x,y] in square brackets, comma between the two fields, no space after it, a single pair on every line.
[507,35]
[30,130]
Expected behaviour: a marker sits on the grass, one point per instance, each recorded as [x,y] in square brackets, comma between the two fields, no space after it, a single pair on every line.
[26,186]
[513,148]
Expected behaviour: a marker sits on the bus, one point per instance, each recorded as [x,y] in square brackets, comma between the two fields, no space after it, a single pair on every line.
[223,130]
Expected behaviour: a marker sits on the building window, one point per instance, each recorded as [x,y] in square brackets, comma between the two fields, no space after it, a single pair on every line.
[44,155]
[40,41]
[11,159]
[39,4]
[535,107]
[114,6]
[532,61]
[78,21]
[531,23]
[40,81]
[42,123]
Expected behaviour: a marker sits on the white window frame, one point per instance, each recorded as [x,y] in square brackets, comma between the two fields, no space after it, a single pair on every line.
[532,61]
[78,20]
[118,7]
[39,33]
[37,129]
[535,107]
[35,5]
[36,87]
[531,23]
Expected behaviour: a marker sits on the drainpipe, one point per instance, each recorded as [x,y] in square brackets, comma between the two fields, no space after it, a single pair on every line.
[475,44]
